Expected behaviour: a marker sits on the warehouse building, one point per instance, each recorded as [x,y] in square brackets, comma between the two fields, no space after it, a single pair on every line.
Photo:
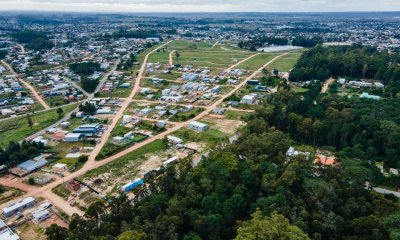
[18,206]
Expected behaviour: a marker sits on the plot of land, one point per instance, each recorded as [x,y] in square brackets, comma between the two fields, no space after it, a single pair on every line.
[18,129]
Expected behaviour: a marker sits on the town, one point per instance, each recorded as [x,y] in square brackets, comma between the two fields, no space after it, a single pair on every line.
[99,109]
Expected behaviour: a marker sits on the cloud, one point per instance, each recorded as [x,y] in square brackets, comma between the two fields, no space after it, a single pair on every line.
[201,5]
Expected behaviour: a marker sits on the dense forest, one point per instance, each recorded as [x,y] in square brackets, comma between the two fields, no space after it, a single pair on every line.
[16,153]
[34,40]
[3,54]
[84,69]
[299,41]
[249,190]
[354,61]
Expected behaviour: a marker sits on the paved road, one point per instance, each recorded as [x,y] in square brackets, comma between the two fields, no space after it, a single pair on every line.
[27,85]
[92,164]
[385,191]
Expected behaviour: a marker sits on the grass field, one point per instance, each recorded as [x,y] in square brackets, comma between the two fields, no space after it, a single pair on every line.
[257,61]
[18,129]
[285,63]
[161,57]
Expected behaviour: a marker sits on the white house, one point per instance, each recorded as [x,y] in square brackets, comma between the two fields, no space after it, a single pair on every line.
[249,99]
[198,126]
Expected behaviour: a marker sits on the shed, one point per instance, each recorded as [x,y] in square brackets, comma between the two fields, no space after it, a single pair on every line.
[40,216]
[73,137]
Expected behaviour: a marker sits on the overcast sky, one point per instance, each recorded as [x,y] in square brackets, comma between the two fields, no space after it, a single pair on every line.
[202,5]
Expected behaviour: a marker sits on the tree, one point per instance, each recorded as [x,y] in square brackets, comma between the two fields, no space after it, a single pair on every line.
[132,235]
[55,232]
[177,54]
[276,227]
[60,113]
[29,119]
[83,158]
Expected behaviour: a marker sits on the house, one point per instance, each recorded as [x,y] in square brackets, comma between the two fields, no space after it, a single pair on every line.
[198,126]
[174,140]
[40,139]
[219,111]
[249,99]
[40,216]
[18,206]
[60,167]
[253,82]
[216,89]
[73,137]
[291,152]
[368,96]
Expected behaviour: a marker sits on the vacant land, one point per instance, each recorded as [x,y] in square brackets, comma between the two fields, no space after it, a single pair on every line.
[18,129]
[125,168]
[257,61]
[285,63]
[6,194]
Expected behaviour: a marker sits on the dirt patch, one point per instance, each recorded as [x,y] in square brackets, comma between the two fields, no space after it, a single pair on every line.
[29,231]
[225,125]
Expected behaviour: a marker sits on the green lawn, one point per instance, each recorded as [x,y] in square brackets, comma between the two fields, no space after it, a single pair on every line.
[236,115]
[285,63]
[258,61]
[161,57]
[211,137]
[18,129]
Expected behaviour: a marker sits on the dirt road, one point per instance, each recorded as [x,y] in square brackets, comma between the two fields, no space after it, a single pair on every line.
[27,85]
[92,164]
[326,85]
[171,57]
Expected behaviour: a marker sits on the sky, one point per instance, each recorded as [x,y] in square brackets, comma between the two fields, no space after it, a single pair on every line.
[201,5]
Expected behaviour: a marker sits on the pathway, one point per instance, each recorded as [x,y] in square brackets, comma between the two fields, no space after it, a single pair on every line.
[171,57]
[326,85]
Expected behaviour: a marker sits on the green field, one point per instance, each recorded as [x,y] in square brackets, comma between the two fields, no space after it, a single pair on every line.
[258,61]
[18,129]
[285,63]
[161,57]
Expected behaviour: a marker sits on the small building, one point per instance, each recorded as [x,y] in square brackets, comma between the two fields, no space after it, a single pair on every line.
[253,82]
[73,137]
[6,233]
[292,152]
[129,186]
[60,167]
[18,206]
[174,140]
[249,99]
[368,96]
[171,161]
[40,216]
[216,89]
[219,111]
[198,126]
